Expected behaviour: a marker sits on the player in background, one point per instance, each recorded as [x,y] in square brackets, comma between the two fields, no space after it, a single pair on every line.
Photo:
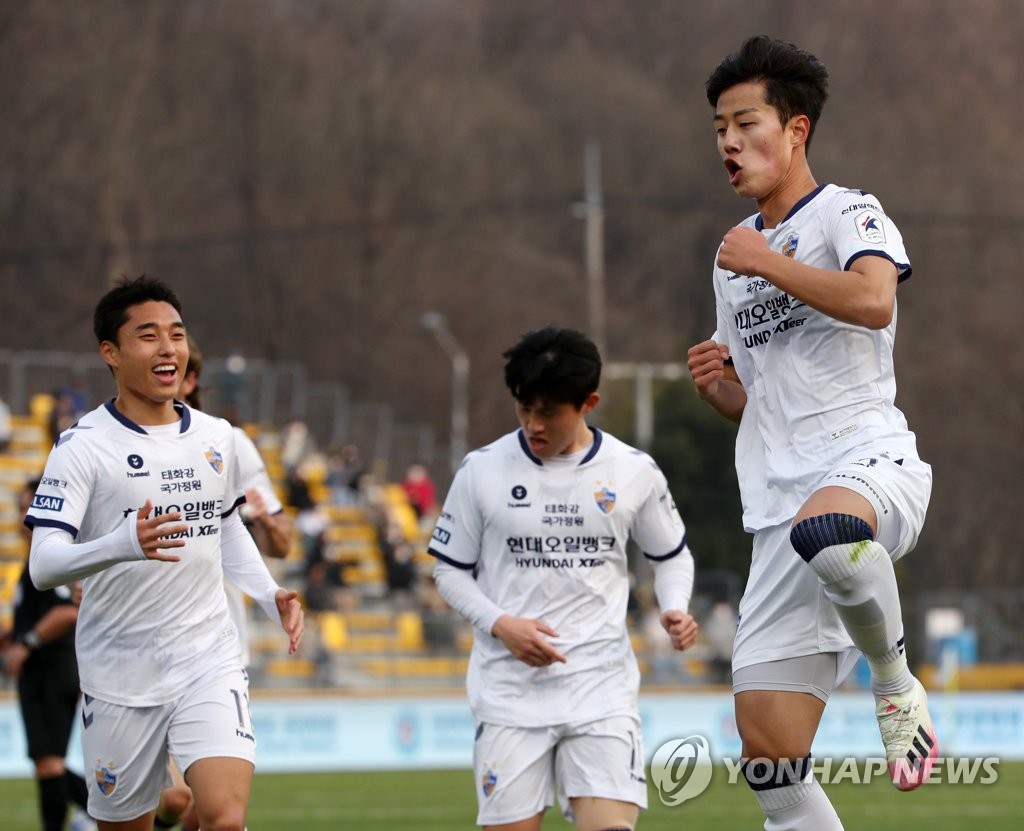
[262,513]
[39,652]
[531,549]
[139,501]
[832,486]
[271,528]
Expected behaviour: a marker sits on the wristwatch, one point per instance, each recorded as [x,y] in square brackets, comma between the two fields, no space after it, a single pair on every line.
[30,639]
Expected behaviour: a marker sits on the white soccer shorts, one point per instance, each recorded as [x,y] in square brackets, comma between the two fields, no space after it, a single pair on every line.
[517,769]
[784,612]
[126,748]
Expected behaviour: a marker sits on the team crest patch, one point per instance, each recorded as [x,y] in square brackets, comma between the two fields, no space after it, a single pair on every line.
[106,779]
[605,499]
[870,227]
[215,459]
[789,247]
[488,782]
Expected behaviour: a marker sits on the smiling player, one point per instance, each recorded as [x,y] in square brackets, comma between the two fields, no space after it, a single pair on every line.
[139,500]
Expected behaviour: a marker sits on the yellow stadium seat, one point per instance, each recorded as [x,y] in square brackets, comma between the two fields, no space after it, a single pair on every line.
[10,573]
[333,631]
[409,631]
[40,406]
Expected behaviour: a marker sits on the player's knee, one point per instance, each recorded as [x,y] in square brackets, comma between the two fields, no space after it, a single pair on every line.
[812,535]
[227,819]
[763,774]
[173,803]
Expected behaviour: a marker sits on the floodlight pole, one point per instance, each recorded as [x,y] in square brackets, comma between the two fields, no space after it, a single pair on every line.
[591,211]
[437,324]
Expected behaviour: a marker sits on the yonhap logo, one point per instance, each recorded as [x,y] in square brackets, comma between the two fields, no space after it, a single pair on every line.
[681,769]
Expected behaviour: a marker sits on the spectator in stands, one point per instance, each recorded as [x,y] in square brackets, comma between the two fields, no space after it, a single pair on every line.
[6,431]
[421,491]
[65,411]
[720,634]
[345,471]
[440,623]
[398,562]
[320,594]
[297,445]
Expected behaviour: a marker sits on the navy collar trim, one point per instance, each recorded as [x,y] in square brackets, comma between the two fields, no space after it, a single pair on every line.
[759,220]
[181,409]
[594,447]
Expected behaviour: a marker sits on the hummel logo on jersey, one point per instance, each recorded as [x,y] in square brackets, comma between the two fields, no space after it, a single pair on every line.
[135,462]
[519,494]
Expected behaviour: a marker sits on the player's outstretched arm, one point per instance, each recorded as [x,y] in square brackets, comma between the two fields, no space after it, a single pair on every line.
[55,559]
[244,566]
[155,534]
[523,637]
[716,381]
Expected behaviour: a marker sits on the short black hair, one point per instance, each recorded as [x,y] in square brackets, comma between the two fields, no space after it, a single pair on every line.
[795,81]
[112,310]
[553,365]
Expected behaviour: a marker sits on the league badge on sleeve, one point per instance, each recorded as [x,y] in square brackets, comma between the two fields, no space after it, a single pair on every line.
[870,227]
[216,460]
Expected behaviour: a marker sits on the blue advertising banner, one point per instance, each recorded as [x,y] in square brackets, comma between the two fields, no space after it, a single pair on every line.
[299,733]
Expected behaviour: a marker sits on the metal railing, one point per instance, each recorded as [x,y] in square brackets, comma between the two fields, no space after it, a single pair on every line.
[252,390]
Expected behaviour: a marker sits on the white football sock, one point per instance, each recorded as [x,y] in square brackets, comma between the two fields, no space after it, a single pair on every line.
[860,580]
[798,807]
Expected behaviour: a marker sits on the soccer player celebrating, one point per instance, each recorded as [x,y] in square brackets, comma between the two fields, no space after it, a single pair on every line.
[531,549]
[139,501]
[832,487]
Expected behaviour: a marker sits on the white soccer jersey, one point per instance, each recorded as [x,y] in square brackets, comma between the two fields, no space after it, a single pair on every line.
[252,473]
[548,541]
[146,629]
[817,388]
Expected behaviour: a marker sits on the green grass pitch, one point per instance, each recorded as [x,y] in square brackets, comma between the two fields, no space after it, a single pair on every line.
[444,800]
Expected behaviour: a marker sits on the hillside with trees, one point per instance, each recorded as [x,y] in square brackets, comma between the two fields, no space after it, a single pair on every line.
[313,176]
